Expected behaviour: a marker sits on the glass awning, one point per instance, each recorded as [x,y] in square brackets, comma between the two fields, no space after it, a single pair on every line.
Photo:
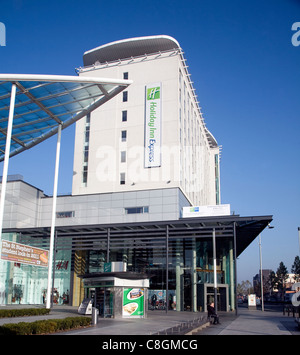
[43,102]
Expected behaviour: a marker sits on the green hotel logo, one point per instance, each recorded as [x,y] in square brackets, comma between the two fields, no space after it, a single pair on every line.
[153,93]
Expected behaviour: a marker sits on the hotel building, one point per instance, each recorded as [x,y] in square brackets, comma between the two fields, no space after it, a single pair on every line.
[139,160]
[135,143]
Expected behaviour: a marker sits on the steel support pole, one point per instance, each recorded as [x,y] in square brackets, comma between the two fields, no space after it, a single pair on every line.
[54,261]
[108,245]
[215,271]
[52,233]
[167,268]
[261,276]
[6,156]
[235,267]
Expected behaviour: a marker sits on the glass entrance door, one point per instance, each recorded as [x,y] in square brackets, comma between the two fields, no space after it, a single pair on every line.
[104,301]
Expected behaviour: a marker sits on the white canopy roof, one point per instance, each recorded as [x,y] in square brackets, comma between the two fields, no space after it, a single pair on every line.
[43,102]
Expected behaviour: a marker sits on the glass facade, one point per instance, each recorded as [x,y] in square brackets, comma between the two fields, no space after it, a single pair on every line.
[190,270]
[27,284]
[190,273]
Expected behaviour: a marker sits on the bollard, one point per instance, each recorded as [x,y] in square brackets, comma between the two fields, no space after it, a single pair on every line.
[95,313]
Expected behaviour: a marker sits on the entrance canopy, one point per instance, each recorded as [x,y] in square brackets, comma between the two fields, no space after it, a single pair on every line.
[34,108]
[45,102]
[148,235]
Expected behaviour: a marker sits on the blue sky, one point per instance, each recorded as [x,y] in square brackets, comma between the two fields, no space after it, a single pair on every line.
[246,73]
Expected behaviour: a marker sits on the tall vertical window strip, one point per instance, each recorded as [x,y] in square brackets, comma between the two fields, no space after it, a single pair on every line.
[86,149]
[217,179]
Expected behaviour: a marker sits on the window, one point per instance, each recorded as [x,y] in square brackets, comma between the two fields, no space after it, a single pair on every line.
[123,157]
[85,174]
[65,214]
[124,136]
[87,134]
[86,154]
[122,179]
[125,96]
[124,116]
[135,210]
[125,75]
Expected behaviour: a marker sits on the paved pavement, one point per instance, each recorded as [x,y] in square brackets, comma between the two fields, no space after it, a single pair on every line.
[246,322]
[156,322]
[254,322]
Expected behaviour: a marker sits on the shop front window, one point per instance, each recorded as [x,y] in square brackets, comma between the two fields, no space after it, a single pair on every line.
[27,284]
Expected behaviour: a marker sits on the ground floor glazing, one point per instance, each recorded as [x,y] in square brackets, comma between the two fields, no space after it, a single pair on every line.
[181,273]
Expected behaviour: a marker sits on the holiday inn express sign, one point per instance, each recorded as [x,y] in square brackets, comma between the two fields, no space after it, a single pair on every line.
[153,126]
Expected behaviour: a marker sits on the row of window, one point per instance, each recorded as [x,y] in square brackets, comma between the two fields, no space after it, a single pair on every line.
[87,138]
[128,210]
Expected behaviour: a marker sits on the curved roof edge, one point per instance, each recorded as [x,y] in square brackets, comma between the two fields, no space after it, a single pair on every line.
[63,78]
[130,47]
[211,139]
